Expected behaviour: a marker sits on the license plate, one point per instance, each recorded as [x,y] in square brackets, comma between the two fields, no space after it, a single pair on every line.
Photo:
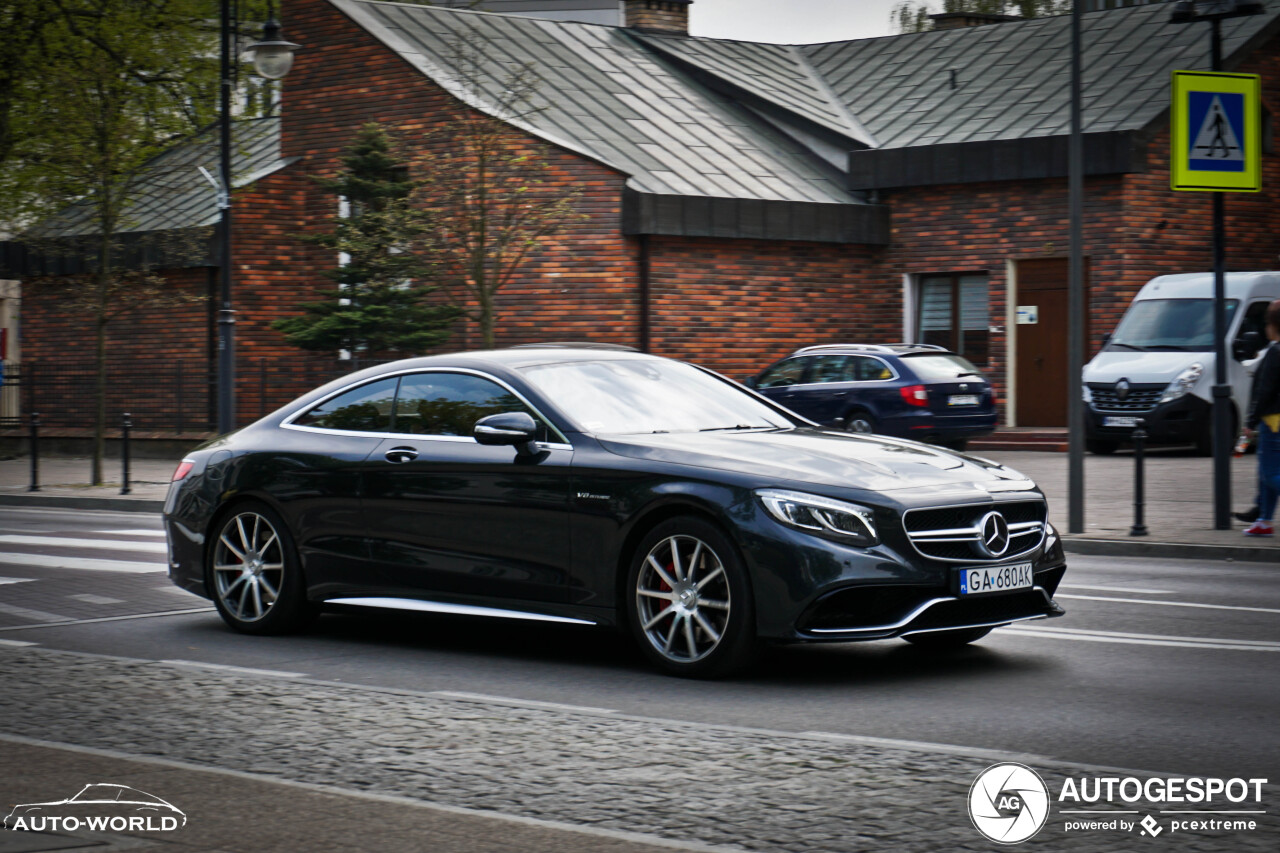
[996,579]
[962,400]
[1119,422]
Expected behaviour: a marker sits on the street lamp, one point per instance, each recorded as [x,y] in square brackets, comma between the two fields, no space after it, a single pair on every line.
[1214,11]
[272,58]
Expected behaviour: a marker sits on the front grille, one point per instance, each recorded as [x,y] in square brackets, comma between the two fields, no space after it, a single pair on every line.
[1140,398]
[953,534]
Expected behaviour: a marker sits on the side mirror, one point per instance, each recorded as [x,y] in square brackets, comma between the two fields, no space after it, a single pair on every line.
[1106,339]
[750,382]
[513,429]
[1246,346]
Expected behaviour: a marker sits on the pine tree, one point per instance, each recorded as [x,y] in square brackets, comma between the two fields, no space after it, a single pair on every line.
[381,304]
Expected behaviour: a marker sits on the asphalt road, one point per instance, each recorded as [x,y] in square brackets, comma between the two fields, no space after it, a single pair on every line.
[1159,665]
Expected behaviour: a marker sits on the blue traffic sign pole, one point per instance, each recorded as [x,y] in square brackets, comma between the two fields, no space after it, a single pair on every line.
[1221,435]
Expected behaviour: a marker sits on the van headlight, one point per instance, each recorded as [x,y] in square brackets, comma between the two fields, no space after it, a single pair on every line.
[1183,383]
[844,522]
[1086,392]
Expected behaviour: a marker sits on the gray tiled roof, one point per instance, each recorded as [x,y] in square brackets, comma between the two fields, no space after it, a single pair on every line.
[605,95]
[1013,79]
[173,194]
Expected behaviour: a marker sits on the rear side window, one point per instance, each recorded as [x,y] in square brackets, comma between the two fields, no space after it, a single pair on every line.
[450,403]
[829,368]
[864,369]
[363,409]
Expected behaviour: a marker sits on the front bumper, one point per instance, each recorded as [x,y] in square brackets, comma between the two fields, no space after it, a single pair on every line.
[1182,421]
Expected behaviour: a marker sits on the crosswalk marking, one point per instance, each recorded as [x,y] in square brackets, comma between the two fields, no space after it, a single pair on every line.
[159,534]
[33,615]
[50,561]
[4,581]
[95,544]
[88,598]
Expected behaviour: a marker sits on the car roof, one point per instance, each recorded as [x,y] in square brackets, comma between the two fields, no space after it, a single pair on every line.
[878,349]
[525,356]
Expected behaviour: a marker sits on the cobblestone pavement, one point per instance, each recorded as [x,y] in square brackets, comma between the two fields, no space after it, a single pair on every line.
[687,782]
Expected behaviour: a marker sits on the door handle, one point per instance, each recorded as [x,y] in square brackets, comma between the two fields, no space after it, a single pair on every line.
[401,454]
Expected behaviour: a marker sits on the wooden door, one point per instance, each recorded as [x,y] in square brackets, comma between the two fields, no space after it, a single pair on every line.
[1041,369]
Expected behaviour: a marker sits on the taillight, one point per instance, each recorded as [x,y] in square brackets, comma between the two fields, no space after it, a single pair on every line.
[183,469]
[915,395]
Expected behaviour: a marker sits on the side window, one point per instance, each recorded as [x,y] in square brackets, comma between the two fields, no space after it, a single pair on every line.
[871,370]
[827,368]
[363,409]
[788,372]
[450,403]
[1255,320]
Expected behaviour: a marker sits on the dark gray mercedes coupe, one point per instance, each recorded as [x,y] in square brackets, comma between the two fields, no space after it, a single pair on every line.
[597,486]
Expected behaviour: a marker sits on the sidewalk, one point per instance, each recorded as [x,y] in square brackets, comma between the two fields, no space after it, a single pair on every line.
[1178,512]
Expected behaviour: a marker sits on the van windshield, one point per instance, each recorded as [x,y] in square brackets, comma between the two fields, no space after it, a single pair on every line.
[1168,325]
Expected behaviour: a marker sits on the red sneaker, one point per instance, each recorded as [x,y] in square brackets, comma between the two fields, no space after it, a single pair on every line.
[1259,528]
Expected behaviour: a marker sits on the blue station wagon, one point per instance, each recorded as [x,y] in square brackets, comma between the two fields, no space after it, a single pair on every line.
[917,391]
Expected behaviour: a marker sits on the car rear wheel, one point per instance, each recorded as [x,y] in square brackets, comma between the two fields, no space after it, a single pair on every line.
[254,573]
[947,639]
[689,603]
[860,420]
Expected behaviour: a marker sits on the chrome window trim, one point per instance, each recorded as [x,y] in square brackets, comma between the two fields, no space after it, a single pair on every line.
[1022,528]
[288,423]
[879,629]
[896,376]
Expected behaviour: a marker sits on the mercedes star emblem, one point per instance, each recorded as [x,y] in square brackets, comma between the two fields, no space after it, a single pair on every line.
[995,534]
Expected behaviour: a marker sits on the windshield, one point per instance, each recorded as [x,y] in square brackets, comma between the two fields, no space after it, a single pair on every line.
[941,368]
[646,396]
[1168,325]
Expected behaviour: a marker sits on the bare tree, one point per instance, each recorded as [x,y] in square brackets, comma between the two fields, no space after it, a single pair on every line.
[486,184]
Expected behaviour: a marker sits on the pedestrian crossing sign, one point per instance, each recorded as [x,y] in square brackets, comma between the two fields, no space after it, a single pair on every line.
[1216,132]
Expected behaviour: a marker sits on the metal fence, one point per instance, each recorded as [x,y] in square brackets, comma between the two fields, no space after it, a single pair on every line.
[173,395]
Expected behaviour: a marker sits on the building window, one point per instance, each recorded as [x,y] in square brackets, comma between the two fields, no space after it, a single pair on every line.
[954,314]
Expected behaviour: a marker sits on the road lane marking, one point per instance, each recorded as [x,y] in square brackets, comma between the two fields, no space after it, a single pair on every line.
[4,581]
[1143,639]
[96,544]
[34,615]
[1129,589]
[87,598]
[156,532]
[70,622]
[523,703]
[17,643]
[1170,603]
[243,670]
[88,564]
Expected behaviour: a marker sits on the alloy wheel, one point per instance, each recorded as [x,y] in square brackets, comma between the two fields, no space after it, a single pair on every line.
[683,599]
[248,566]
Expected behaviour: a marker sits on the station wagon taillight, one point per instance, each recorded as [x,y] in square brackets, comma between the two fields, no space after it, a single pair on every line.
[915,395]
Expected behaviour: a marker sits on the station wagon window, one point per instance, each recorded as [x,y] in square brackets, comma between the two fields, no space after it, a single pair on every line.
[828,368]
[363,409]
[450,403]
[862,368]
[788,372]
[954,314]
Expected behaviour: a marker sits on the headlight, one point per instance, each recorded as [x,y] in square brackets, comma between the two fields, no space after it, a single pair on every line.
[844,522]
[1183,382]
[1050,537]
[1086,393]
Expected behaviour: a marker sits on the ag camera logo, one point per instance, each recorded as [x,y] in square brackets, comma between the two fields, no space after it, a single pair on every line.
[1009,803]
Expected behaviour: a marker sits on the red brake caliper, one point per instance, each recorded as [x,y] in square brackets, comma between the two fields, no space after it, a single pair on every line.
[663,586]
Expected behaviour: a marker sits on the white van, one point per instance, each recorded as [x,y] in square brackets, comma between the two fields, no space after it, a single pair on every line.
[1158,365]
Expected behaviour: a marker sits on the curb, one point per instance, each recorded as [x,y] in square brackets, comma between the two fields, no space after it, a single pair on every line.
[120,504]
[1170,550]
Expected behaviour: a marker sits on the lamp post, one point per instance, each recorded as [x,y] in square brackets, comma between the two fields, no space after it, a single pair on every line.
[272,59]
[1215,11]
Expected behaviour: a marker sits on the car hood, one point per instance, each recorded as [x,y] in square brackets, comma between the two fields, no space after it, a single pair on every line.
[842,460]
[1145,367]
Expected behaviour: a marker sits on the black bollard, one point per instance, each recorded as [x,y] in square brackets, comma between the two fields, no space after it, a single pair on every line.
[125,423]
[35,453]
[1139,443]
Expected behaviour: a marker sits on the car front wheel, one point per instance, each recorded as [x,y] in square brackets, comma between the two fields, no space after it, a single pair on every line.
[254,573]
[689,602]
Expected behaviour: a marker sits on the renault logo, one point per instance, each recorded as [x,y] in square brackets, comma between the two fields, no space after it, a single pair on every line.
[1122,389]
[995,534]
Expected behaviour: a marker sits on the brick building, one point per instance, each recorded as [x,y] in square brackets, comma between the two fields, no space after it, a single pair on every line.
[744,199]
